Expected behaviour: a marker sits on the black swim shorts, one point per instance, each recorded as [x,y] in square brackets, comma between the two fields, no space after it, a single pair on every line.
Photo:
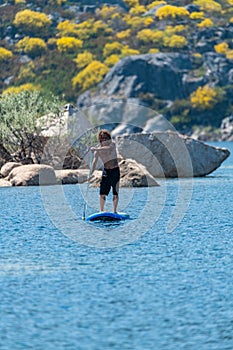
[110,178]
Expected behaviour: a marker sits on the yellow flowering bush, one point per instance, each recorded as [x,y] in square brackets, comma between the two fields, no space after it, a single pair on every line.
[148,21]
[170,11]
[124,34]
[67,28]
[206,23]
[69,44]
[99,27]
[5,54]
[106,12]
[57,2]
[208,5]
[131,3]
[175,41]
[20,88]
[31,46]
[137,10]
[90,76]
[150,36]
[153,50]
[112,48]
[127,51]
[112,60]
[204,98]
[221,48]
[32,22]
[83,59]
[229,54]
[197,15]
[170,30]
[136,22]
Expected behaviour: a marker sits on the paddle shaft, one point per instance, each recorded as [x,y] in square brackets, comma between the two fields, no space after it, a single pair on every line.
[88,184]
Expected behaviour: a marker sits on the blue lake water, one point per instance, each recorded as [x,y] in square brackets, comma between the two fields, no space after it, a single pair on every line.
[163,280]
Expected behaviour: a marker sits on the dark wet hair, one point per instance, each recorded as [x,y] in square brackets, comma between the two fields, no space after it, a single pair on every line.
[104,134]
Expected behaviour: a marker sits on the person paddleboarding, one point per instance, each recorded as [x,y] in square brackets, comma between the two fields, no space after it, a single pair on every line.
[106,151]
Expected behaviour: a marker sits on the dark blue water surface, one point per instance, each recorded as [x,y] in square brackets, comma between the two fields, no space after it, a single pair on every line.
[155,289]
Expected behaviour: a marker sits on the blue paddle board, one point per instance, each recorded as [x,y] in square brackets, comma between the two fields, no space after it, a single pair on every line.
[107,216]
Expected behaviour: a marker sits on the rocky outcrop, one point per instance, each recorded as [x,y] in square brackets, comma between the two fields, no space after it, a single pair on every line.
[207,134]
[163,76]
[158,75]
[139,87]
[227,129]
[5,183]
[32,175]
[70,176]
[169,154]
[7,167]
[132,173]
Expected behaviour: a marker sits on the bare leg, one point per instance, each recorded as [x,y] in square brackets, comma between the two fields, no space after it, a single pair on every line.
[115,202]
[102,202]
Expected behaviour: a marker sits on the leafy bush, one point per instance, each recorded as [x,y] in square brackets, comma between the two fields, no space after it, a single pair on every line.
[19,131]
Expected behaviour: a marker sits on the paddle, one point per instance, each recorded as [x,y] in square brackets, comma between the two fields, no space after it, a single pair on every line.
[88,184]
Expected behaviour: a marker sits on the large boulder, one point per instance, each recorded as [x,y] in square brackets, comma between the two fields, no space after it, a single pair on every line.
[70,176]
[5,183]
[169,154]
[7,167]
[32,175]
[134,174]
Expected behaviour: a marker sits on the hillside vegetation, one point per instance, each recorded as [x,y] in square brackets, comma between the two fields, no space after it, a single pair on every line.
[66,47]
